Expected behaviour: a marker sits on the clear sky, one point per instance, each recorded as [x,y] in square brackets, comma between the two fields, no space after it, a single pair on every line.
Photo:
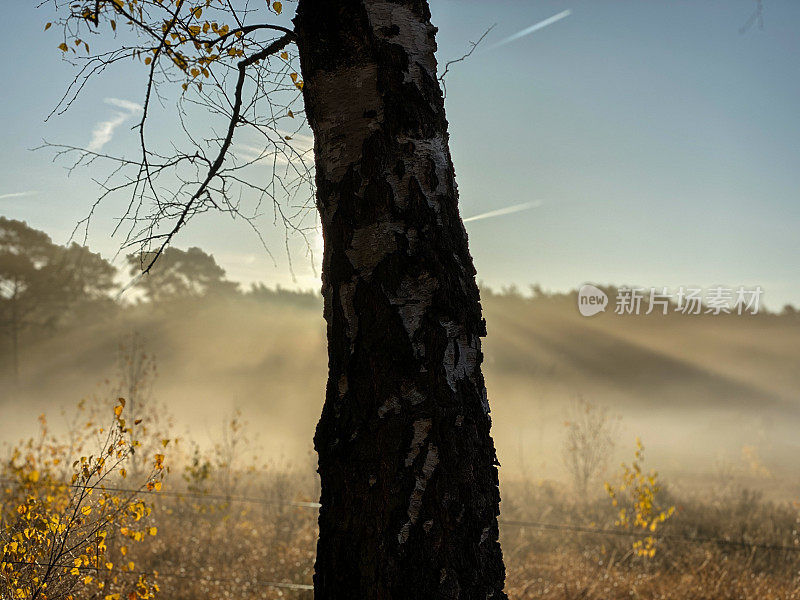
[651,143]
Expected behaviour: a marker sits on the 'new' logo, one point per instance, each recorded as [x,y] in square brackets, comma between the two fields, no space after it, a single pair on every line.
[591,300]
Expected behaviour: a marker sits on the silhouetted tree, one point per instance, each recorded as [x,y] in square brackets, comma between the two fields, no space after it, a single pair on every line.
[408,467]
[40,282]
[181,275]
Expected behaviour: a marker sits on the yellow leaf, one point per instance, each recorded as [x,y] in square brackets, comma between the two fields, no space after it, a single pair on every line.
[278,7]
[284,55]
[113,24]
[63,47]
[46,27]
[147,61]
[86,510]
[152,531]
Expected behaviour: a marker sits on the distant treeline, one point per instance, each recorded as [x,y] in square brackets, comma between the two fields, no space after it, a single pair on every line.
[45,287]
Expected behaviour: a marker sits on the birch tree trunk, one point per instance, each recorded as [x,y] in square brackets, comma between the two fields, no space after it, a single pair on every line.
[408,468]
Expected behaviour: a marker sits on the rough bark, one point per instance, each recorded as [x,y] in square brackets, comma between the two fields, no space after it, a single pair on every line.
[408,468]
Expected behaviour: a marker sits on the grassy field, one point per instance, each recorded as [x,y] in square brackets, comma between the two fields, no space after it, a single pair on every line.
[251,544]
[230,525]
[713,399]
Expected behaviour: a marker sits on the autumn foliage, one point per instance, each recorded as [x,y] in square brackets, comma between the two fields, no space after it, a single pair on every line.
[66,528]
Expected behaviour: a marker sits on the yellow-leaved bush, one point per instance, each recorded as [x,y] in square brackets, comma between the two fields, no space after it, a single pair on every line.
[68,517]
[636,498]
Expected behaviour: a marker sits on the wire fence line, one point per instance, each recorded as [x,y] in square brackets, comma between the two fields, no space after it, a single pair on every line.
[208,497]
[643,534]
[194,575]
[502,522]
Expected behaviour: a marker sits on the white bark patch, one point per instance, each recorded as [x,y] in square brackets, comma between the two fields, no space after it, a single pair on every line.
[434,149]
[421,429]
[484,534]
[413,298]
[391,404]
[428,150]
[460,356]
[371,243]
[346,291]
[341,100]
[413,34]
[415,502]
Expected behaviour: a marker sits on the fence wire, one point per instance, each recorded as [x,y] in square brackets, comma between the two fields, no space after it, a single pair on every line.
[502,522]
[194,575]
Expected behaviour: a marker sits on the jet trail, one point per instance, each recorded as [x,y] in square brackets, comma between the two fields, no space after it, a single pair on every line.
[514,208]
[535,27]
[17,195]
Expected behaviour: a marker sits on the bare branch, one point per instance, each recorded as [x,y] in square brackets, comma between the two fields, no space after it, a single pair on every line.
[232,76]
[448,64]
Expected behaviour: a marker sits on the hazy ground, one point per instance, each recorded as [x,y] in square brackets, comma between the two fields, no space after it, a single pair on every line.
[709,396]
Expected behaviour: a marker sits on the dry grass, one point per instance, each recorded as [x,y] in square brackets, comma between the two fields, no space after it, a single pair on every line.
[566,565]
[228,528]
[230,550]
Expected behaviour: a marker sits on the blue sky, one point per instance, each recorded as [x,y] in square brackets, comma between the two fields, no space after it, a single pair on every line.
[654,144]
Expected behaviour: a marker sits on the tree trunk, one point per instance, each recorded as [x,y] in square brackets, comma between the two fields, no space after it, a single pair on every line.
[408,468]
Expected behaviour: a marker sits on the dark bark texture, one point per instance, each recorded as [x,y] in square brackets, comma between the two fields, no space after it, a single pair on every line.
[409,472]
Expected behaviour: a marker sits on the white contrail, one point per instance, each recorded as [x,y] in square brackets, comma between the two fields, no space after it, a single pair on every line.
[535,27]
[17,195]
[104,130]
[514,208]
